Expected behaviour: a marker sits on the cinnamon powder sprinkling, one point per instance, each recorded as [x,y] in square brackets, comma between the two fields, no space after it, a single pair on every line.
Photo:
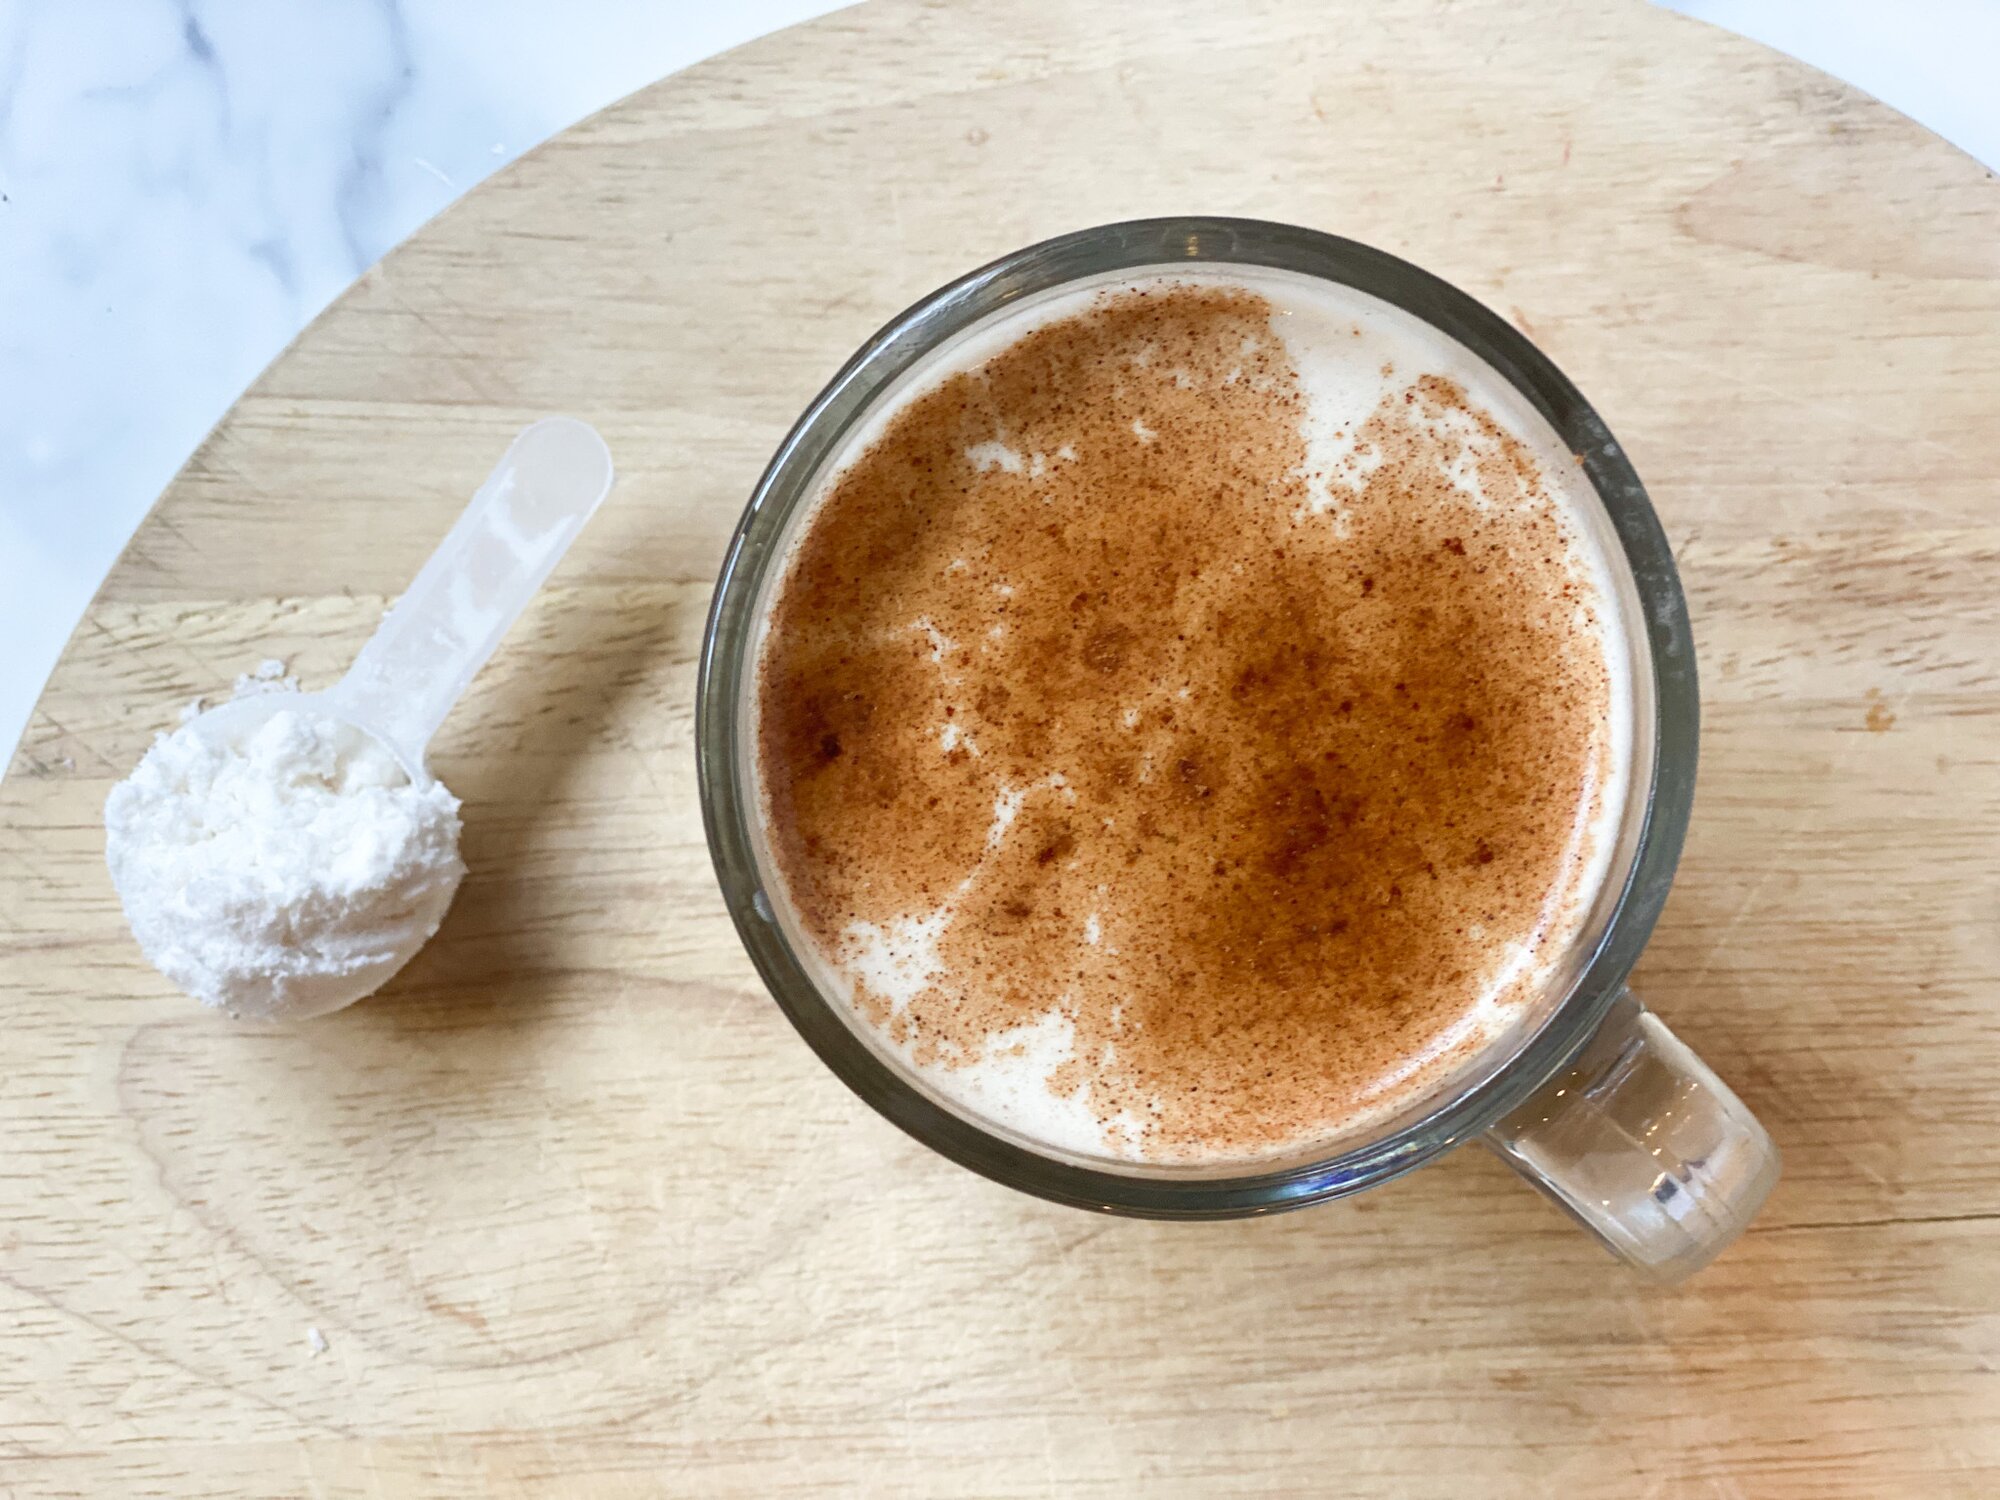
[1251,791]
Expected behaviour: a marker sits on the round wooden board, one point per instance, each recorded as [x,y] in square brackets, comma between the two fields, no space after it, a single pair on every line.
[576,1212]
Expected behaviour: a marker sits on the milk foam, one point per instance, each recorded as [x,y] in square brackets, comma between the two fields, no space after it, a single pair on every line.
[1351,351]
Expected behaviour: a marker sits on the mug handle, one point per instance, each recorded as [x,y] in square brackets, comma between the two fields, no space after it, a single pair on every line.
[1642,1145]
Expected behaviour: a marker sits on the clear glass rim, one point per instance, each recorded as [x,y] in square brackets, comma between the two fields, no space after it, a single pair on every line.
[1661,792]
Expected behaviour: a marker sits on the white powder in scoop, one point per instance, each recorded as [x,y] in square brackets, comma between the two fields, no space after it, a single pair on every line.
[284,873]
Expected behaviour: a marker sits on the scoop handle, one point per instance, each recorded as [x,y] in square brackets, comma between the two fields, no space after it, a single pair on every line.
[551,480]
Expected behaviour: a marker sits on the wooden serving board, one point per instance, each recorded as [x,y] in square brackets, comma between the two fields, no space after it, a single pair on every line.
[579,1216]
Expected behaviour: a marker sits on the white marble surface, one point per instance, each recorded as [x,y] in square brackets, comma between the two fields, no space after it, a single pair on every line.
[1932,59]
[184,183]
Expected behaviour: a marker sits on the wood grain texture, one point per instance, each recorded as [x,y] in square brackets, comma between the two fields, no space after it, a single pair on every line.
[578,1214]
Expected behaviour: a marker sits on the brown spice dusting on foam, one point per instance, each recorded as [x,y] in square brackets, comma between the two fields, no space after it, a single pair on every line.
[1282,786]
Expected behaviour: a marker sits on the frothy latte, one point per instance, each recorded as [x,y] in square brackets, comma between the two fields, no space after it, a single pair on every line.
[1192,718]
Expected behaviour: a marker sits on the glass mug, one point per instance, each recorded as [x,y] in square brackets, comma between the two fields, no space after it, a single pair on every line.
[1589,1097]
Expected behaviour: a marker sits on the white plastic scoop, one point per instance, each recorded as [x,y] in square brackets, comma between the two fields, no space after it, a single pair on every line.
[280,867]
[431,645]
